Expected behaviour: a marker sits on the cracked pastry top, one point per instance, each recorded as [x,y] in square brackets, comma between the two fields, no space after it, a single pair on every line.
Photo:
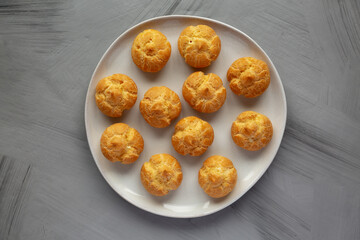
[204,93]
[114,94]
[199,45]
[161,174]
[217,176]
[251,130]
[150,50]
[121,143]
[249,77]
[192,136]
[160,106]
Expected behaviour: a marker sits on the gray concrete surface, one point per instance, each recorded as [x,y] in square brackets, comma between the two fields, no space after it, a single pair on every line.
[50,187]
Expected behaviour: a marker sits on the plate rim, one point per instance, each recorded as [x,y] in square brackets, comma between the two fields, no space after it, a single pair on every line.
[262,172]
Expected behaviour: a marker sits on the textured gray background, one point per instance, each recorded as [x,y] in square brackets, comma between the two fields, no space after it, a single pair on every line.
[50,187]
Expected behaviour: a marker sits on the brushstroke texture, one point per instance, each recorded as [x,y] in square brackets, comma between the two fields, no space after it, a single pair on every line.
[50,187]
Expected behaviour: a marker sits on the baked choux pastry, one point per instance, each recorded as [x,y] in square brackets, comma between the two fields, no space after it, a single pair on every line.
[114,94]
[192,136]
[121,143]
[160,106]
[204,93]
[249,77]
[150,50]
[199,45]
[251,130]
[217,176]
[161,174]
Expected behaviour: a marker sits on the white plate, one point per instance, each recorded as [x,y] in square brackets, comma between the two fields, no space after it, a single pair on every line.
[188,200]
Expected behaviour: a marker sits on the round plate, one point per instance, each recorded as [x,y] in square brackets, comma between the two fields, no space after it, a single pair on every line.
[189,200]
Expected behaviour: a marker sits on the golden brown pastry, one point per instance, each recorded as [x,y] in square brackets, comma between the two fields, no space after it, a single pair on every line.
[249,77]
[161,174]
[151,50]
[251,130]
[121,143]
[199,45]
[160,106]
[114,94]
[218,176]
[192,136]
[204,93]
